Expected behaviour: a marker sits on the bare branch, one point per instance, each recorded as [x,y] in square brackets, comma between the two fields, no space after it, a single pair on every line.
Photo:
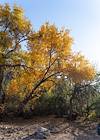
[48,68]
[15,46]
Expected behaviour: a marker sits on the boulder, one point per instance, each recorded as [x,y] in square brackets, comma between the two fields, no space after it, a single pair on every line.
[42,133]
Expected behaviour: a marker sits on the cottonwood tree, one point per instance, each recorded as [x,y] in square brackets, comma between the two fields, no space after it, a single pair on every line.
[52,57]
[48,55]
[14,29]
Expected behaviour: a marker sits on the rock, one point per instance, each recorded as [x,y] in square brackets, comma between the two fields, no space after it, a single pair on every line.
[41,133]
[53,128]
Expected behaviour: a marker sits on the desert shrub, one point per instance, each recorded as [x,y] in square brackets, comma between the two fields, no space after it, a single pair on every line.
[55,102]
[11,104]
[58,100]
[43,105]
[96,107]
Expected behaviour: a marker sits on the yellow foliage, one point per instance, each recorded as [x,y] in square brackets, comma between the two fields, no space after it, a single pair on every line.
[49,52]
[79,69]
[92,115]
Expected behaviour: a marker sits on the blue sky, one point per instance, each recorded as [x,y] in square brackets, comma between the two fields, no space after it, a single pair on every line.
[82,17]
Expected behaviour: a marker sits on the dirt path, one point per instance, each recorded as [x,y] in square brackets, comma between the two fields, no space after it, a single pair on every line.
[23,129]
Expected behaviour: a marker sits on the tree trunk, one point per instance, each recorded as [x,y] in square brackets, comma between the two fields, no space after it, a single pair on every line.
[71,108]
[32,94]
[2,93]
[23,104]
[71,101]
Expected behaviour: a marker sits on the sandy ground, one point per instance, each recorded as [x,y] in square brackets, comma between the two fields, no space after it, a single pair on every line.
[24,129]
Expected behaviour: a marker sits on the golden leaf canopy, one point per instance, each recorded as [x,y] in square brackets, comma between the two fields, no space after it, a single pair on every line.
[49,51]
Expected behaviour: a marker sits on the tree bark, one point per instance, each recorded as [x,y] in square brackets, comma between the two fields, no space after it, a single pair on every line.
[32,94]
[2,93]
